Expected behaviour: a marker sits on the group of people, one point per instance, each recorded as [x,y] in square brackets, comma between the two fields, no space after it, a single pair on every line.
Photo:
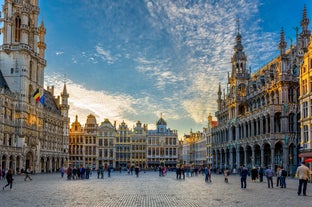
[9,177]
[303,173]
[77,173]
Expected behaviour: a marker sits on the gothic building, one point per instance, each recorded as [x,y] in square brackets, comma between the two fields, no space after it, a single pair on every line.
[33,122]
[258,117]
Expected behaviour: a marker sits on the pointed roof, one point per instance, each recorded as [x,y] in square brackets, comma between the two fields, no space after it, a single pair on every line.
[161,121]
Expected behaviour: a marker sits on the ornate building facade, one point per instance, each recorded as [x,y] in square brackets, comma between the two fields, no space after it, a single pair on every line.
[258,117]
[305,95]
[162,145]
[122,147]
[34,123]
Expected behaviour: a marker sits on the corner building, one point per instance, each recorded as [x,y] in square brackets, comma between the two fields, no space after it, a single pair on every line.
[33,133]
[258,117]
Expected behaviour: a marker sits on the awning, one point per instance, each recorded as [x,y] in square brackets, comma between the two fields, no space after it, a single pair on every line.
[305,154]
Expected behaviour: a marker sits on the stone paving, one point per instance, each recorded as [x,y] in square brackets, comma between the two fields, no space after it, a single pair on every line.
[148,190]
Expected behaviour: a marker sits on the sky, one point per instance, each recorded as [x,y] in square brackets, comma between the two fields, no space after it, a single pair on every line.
[137,60]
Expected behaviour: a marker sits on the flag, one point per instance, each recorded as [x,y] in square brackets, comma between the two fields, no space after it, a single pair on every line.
[42,99]
[37,95]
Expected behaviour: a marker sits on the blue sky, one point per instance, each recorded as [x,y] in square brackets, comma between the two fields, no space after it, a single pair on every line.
[135,59]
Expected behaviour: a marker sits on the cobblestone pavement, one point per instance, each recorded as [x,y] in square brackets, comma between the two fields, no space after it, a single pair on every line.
[146,191]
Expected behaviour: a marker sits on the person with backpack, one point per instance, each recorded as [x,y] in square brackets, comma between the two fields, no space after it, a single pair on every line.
[283,177]
[269,175]
[9,178]
[244,173]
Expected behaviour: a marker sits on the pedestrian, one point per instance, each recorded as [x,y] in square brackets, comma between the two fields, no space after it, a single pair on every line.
[88,171]
[206,171]
[283,177]
[178,172]
[62,170]
[102,172]
[269,175]
[226,174]
[98,173]
[109,170]
[27,174]
[254,174]
[303,172]
[261,173]
[244,173]
[278,176]
[137,170]
[9,178]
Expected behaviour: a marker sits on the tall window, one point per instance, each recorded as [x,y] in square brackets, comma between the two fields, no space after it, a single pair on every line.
[305,109]
[305,133]
[17,29]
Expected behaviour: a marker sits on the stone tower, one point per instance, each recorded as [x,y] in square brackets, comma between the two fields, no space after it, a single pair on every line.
[22,54]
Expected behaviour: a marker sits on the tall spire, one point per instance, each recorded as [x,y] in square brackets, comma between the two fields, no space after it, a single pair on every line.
[239,58]
[305,33]
[282,44]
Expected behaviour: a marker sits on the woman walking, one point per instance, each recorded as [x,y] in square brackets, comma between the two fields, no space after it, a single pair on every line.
[9,178]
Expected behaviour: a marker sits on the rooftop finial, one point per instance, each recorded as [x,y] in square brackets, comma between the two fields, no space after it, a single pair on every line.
[238,26]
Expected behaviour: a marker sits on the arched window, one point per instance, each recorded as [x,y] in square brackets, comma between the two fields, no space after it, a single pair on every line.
[17,29]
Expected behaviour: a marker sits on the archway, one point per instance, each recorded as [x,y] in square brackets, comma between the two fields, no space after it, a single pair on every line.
[278,155]
[29,160]
[3,162]
[257,155]
[266,155]
[249,157]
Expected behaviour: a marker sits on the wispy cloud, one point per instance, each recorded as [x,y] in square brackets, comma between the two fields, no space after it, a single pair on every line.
[104,54]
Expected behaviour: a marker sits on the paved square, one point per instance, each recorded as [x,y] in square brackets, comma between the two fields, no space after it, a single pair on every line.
[147,190]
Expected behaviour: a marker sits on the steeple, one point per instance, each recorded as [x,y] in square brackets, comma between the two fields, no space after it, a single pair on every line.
[239,58]
[64,105]
[282,44]
[219,97]
[305,33]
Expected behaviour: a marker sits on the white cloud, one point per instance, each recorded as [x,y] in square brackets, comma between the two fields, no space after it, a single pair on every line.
[59,53]
[104,54]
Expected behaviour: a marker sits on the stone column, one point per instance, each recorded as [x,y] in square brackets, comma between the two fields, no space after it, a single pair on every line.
[50,165]
[262,155]
[231,158]
[237,158]
[253,156]
[272,158]
[245,157]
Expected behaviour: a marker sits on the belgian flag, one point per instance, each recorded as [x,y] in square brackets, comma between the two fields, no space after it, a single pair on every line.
[37,95]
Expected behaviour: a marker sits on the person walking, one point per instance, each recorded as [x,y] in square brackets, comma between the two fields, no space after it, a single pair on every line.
[62,170]
[9,178]
[303,172]
[278,176]
[137,170]
[244,173]
[261,173]
[27,174]
[206,171]
[269,175]
[254,174]
[109,168]
[283,177]
[226,174]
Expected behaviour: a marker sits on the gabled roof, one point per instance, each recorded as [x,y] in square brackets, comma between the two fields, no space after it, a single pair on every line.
[50,103]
